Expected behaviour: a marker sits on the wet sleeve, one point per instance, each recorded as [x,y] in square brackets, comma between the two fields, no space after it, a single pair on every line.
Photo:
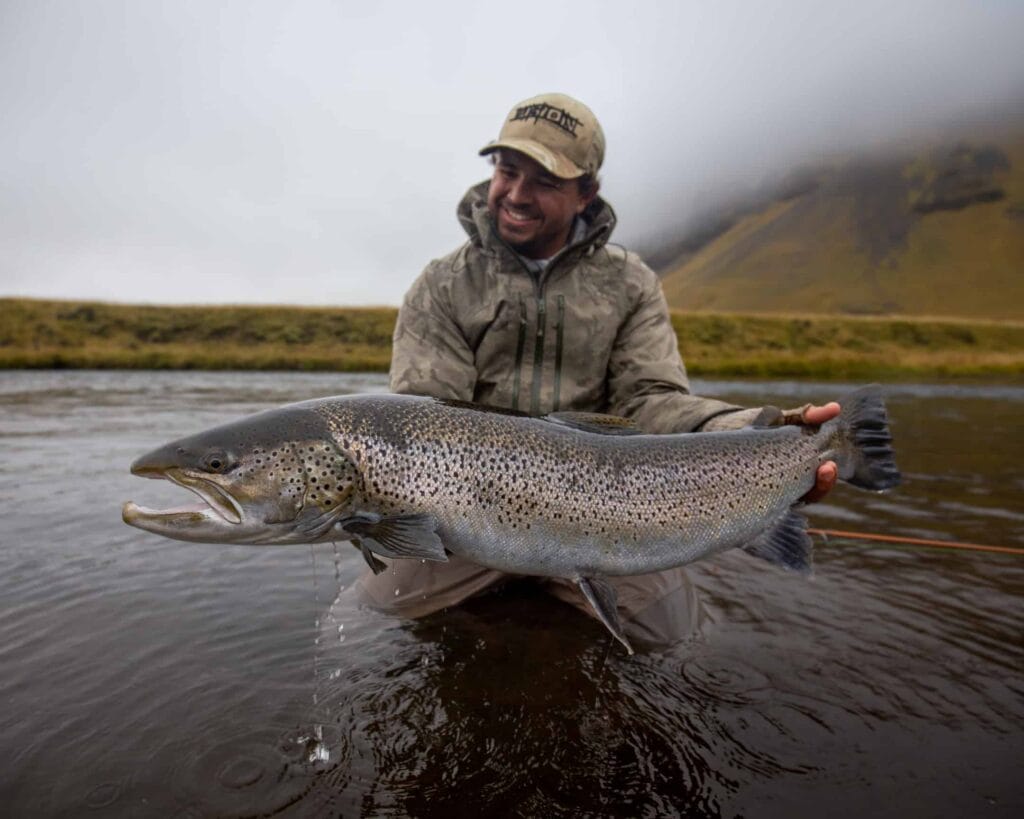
[646,377]
[430,355]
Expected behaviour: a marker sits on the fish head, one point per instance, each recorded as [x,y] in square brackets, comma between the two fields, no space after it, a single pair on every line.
[275,477]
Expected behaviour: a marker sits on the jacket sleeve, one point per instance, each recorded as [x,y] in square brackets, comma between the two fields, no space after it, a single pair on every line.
[430,355]
[646,377]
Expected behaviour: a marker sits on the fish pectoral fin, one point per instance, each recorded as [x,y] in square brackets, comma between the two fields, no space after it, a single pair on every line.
[603,600]
[785,543]
[600,423]
[398,536]
[371,560]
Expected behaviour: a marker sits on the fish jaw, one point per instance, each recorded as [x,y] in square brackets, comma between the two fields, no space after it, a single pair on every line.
[219,518]
[201,523]
[223,518]
[273,478]
[197,523]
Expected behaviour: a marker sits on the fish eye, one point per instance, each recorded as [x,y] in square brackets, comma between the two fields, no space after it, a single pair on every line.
[216,461]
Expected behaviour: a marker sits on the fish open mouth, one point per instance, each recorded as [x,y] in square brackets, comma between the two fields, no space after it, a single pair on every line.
[218,504]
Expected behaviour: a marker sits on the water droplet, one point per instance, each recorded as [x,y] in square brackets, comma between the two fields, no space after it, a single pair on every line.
[315,749]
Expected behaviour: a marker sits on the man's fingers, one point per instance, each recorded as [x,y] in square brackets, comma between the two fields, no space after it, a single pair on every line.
[819,415]
[826,478]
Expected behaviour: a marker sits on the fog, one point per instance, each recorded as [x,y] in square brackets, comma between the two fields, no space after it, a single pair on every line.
[314,152]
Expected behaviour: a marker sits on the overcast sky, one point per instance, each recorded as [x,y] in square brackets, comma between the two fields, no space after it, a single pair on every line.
[313,151]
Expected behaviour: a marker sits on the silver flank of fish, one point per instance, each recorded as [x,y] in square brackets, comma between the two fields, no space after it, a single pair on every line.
[530,496]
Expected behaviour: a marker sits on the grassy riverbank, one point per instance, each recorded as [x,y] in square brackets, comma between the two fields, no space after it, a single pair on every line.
[55,334]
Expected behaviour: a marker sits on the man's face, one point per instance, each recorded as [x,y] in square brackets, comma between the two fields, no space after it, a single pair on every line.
[532,209]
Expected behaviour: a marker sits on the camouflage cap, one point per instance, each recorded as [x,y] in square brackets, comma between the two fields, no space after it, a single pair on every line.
[559,132]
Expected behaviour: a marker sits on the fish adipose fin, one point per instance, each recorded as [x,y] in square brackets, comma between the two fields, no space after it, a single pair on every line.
[408,536]
[869,461]
[785,544]
[602,599]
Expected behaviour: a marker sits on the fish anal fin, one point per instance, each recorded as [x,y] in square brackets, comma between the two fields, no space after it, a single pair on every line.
[603,601]
[397,536]
[785,543]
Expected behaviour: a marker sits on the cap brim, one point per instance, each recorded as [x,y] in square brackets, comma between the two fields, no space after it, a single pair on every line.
[553,163]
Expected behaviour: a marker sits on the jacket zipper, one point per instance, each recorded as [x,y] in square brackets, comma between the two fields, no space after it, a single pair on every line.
[520,346]
[559,325]
[538,351]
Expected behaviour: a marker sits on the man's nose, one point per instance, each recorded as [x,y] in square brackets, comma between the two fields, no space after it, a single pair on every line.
[518,191]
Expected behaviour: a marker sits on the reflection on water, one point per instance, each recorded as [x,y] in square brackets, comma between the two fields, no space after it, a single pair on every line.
[142,677]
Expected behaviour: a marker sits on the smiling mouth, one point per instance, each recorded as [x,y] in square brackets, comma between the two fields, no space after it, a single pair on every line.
[516,217]
[216,500]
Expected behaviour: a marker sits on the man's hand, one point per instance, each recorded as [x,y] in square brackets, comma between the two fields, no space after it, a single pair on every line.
[828,472]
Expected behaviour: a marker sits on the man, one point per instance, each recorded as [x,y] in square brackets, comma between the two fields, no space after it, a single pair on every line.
[537,312]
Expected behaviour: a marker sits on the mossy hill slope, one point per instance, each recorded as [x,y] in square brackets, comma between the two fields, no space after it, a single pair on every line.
[933,231]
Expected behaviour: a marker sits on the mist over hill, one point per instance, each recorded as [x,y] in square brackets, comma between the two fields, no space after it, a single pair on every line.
[932,225]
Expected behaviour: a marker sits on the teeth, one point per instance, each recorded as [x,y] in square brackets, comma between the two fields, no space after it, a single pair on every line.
[517,217]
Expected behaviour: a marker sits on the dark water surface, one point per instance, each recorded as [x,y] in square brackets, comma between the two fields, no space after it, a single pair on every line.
[145,677]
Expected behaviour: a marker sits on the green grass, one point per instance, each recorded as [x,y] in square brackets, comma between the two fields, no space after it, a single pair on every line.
[840,347]
[54,334]
[89,335]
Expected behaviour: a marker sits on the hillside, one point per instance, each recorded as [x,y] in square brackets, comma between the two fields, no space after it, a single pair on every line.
[932,230]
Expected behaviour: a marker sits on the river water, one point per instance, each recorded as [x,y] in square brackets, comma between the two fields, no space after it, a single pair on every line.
[145,677]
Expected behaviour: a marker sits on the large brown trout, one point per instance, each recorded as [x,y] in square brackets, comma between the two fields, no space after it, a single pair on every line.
[573,495]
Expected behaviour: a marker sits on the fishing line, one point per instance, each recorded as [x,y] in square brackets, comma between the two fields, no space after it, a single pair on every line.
[919,541]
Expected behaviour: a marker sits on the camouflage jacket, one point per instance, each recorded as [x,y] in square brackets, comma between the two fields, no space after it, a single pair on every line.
[590,333]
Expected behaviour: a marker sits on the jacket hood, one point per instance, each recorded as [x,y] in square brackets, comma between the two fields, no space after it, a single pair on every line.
[476,220]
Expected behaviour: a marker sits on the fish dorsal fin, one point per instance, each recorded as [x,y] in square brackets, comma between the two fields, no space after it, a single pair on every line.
[598,422]
[470,405]
[785,543]
[595,422]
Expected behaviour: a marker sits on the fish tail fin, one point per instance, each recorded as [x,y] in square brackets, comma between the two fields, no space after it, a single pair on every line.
[866,458]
